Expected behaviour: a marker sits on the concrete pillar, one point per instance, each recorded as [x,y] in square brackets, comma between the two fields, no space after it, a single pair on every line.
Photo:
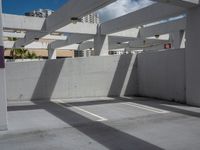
[84,53]
[51,53]
[192,56]
[3,98]
[100,44]
[178,40]
[83,50]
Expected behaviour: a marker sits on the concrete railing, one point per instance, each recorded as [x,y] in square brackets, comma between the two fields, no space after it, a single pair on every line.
[153,74]
[161,74]
[69,78]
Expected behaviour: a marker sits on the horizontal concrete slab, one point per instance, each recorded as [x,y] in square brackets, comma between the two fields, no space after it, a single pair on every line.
[47,125]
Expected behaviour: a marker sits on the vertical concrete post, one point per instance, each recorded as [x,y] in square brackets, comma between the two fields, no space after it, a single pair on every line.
[84,53]
[51,53]
[100,43]
[177,39]
[3,98]
[83,50]
[192,56]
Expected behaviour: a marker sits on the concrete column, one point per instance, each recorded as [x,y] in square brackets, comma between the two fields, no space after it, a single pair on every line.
[84,53]
[83,50]
[51,53]
[192,57]
[100,44]
[3,98]
[177,39]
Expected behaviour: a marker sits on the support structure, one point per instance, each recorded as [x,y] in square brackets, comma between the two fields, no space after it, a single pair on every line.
[52,53]
[57,20]
[192,57]
[181,3]
[152,13]
[101,46]
[3,96]
[177,39]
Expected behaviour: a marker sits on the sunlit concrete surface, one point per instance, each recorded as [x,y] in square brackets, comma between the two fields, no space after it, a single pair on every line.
[101,124]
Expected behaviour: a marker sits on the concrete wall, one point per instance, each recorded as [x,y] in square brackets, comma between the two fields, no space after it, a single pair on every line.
[162,74]
[152,74]
[69,78]
[193,57]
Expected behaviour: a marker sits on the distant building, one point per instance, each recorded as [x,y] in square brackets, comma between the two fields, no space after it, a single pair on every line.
[91,18]
[42,13]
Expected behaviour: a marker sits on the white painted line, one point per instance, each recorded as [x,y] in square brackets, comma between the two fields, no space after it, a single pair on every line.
[83,110]
[148,108]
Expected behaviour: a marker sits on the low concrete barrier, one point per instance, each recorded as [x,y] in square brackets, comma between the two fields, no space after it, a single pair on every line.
[158,74]
[71,78]
[161,74]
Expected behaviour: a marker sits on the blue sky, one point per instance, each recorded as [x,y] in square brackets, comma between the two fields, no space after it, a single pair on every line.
[22,6]
[119,8]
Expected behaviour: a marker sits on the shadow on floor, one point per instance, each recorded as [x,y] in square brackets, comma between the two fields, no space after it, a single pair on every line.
[165,105]
[107,136]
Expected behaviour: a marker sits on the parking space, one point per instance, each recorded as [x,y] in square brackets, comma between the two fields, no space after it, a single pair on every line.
[101,123]
[110,109]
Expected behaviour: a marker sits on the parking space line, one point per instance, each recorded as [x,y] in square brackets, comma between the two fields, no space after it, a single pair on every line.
[148,108]
[83,110]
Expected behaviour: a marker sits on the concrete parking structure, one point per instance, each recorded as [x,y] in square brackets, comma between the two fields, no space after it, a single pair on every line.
[129,123]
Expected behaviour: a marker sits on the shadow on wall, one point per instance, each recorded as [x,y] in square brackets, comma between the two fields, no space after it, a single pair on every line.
[48,79]
[102,133]
[124,82]
[109,137]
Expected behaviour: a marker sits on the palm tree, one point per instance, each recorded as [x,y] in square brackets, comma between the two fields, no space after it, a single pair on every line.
[31,55]
[20,53]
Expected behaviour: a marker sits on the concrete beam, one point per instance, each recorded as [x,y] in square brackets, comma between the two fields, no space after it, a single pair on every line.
[142,43]
[18,22]
[143,16]
[114,46]
[72,39]
[86,45]
[36,45]
[181,3]
[163,28]
[13,34]
[57,20]
[133,33]
[24,23]
[113,40]
[22,35]
[118,39]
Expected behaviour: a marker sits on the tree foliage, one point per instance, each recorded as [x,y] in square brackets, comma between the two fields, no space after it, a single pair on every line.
[21,53]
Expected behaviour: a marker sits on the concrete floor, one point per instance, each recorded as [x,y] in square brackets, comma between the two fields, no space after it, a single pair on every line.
[101,124]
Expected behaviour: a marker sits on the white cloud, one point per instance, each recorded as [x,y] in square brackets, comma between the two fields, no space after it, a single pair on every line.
[121,7]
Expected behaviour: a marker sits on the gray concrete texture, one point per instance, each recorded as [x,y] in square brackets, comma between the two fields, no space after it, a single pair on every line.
[158,74]
[132,124]
[192,57]
[162,75]
[68,78]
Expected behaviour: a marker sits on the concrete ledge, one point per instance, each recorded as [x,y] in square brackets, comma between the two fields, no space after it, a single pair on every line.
[3,128]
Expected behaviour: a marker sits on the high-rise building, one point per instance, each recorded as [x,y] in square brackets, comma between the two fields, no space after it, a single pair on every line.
[91,18]
[42,13]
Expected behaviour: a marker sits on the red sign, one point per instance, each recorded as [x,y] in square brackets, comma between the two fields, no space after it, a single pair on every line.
[168,46]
